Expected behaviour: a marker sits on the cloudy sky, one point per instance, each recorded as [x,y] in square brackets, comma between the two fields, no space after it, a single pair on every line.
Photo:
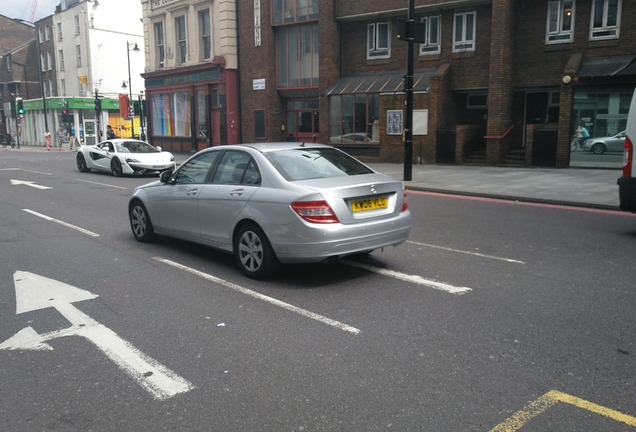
[22,8]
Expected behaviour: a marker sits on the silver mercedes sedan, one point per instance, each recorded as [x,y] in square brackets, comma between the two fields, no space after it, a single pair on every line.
[274,203]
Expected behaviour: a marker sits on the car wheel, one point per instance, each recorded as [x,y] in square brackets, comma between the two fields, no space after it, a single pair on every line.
[140,223]
[598,148]
[115,167]
[81,163]
[254,252]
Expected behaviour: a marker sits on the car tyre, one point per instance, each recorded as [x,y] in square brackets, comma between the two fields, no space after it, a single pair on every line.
[140,223]
[81,163]
[254,252]
[115,167]
[598,149]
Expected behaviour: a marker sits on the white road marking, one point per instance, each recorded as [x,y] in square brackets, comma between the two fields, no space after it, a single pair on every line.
[467,252]
[101,184]
[34,292]
[82,230]
[411,278]
[259,296]
[29,183]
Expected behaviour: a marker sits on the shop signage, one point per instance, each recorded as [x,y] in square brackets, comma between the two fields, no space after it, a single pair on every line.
[184,79]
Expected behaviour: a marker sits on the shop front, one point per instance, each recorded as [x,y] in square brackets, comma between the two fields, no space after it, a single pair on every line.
[193,108]
[602,92]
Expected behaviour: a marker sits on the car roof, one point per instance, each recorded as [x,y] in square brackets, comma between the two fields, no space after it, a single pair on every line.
[266,147]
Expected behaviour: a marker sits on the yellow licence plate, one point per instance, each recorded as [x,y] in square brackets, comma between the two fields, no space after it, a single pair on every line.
[369,204]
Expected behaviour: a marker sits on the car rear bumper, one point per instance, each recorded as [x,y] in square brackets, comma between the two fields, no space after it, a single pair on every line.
[627,193]
[323,243]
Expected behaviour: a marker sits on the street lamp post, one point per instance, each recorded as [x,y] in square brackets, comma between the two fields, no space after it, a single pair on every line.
[131,112]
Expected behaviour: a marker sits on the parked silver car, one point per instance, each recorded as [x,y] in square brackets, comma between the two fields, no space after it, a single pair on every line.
[274,203]
[600,145]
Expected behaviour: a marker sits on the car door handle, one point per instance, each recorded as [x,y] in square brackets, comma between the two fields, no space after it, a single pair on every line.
[192,192]
[236,192]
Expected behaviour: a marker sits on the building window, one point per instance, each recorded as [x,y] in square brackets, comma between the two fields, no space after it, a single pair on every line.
[477,101]
[60,55]
[63,83]
[202,118]
[206,41]
[181,39]
[289,11]
[171,114]
[42,62]
[77,25]
[298,56]
[379,40]
[606,19]
[560,25]
[260,127]
[40,34]
[49,60]
[464,31]
[79,56]
[159,43]
[51,88]
[433,28]
[59,31]
[47,33]
[354,118]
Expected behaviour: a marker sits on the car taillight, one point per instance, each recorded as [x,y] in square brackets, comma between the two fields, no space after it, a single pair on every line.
[405,204]
[628,153]
[315,211]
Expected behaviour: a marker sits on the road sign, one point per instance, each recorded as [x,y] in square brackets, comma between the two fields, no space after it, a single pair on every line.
[34,292]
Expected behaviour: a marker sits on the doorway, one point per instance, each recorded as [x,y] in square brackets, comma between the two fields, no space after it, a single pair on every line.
[302,121]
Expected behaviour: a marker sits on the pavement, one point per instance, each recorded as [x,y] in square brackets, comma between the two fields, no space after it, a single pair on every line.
[580,187]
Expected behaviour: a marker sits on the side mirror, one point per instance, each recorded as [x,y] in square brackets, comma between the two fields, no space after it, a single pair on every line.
[159,148]
[165,176]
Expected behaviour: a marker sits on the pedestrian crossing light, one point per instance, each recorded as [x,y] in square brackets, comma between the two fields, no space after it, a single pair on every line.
[20,108]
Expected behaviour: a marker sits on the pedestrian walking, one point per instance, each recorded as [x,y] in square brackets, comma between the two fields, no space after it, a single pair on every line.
[47,139]
[60,137]
[71,140]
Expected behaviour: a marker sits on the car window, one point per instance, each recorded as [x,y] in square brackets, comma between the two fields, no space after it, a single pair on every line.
[136,147]
[196,169]
[234,167]
[312,163]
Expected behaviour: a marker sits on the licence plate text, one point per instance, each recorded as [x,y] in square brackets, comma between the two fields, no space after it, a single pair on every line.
[369,204]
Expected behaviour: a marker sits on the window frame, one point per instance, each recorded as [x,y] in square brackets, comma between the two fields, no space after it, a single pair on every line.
[605,31]
[59,31]
[429,48]
[79,55]
[77,25]
[40,34]
[297,50]
[47,33]
[465,44]
[61,58]
[374,51]
[49,60]
[338,112]
[206,38]
[160,43]
[560,35]
[182,44]
[257,124]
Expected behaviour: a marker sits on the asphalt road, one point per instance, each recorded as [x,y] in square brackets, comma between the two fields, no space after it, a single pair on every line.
[493,316]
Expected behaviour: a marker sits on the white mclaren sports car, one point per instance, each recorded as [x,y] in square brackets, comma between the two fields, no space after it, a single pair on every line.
[124,156]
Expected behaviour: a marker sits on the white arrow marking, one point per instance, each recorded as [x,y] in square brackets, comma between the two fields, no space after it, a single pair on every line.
[29,183]
[34,292]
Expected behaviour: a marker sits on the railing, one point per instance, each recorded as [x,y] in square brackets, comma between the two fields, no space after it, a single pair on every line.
[500,136]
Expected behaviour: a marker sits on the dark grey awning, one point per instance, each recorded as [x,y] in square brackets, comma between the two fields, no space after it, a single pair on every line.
[607,70]
[381,83]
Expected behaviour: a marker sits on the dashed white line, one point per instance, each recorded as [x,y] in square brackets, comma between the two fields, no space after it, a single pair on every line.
[101,184]
[66,224]
[467,252]
[411,278]
[259,296]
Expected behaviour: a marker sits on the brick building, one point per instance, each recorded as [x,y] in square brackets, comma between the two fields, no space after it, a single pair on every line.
[496,82]
[18,70]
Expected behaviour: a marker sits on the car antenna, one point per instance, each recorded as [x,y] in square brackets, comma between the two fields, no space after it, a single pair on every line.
[302,144]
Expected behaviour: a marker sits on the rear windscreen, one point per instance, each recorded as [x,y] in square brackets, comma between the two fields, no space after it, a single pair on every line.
[313,163]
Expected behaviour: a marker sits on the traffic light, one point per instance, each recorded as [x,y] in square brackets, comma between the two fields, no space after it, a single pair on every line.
[20,109]
[65,115]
